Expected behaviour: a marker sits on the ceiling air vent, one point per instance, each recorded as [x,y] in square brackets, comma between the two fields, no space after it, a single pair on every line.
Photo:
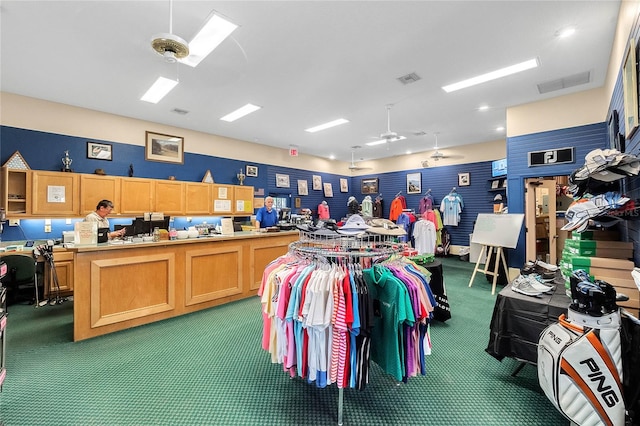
[180,111]
[564,82]
[409,78]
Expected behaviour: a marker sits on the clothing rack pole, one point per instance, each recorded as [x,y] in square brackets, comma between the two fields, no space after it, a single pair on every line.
[340,402]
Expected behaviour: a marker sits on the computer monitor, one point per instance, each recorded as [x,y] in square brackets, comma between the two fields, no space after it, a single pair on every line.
[103,235]
[141,226]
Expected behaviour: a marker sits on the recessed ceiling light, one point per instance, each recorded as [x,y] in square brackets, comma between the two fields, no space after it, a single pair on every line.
[499,129]
[381,141]
[332,157]
[328,125]
[408,152]
[240,112]
[493,75]
[214,31]
[483,107]
[567,32]
[158,90]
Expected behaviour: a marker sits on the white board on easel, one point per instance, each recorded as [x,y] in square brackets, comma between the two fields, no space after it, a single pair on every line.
[498,230]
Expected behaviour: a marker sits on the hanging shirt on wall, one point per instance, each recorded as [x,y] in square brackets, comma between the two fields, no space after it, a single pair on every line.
[378,207]
[367,206]
[397,205]
[451,207]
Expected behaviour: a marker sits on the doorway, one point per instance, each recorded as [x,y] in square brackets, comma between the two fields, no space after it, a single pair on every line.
[544,199]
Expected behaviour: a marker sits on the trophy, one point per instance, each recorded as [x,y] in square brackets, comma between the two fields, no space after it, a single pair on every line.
[241,177]
[66,162]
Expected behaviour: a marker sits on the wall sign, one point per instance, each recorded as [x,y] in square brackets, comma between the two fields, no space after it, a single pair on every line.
[551,157]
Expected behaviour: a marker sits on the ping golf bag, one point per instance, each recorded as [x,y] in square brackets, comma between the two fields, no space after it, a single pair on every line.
[580,357]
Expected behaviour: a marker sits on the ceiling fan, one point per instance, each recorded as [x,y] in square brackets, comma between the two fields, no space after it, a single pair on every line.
[389,135]
[353,165]
[174,48]
[437,155]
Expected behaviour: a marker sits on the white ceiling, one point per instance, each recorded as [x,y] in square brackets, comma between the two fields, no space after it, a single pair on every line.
[308,62]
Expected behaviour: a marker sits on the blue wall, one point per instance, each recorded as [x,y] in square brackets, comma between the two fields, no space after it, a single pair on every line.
[44,151]
[582,138]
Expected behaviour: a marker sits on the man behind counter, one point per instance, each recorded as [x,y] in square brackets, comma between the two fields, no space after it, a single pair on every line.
[267,215]
[103,209]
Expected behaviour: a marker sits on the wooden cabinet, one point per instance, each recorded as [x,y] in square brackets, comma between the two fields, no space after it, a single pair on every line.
[15,192]
[63,272]
[136,196]
[222,199]
[33,193]
[243,200]
[94,188]
[169,197]
[198,200]
[55,194]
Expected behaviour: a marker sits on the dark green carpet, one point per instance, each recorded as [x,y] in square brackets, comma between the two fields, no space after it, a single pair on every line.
[207,368]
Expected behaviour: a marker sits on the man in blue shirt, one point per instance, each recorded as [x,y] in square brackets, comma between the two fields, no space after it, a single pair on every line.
[267,215]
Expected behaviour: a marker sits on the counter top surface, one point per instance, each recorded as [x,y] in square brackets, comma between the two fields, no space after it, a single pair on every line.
[162,243]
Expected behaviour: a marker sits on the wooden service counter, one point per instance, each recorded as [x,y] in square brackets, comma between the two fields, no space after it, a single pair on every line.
[117,287]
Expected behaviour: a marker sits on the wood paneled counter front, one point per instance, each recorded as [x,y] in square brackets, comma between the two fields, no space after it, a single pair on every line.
[117,287]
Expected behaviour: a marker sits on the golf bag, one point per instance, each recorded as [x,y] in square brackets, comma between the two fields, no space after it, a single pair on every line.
[580,357]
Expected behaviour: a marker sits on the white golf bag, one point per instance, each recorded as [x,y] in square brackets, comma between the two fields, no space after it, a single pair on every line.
[580,368]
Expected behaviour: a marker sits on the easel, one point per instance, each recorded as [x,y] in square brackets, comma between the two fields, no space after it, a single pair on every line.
[499,258]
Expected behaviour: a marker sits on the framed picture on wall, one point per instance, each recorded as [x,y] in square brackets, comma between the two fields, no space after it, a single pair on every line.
[344,185]
[302,187]
[282,181]
[317,183]
[369,186]
[630,89]
[328,190]
[252,171]
[164,148]
[464,179]
[99,151]
[414,183]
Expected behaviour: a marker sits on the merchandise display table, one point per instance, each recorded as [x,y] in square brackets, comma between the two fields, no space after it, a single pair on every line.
[518,320]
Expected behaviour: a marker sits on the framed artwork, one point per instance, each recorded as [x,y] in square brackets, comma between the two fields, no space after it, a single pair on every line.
[414,183]
[164,148]
[464,179]
[344,185]
[282,181]
[317,183]
[252,171]
[99,151]
[328,190]
[612,125]
[302,187]
[369,186]
[630,89]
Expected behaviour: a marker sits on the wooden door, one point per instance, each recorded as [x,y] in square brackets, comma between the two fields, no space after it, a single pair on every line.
[540,220]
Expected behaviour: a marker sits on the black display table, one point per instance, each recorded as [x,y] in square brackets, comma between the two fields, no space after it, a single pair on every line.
[518,320]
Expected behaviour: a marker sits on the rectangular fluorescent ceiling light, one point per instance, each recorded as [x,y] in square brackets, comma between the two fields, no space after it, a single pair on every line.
[381,141]
[328,125]
[159,90]
[214,31]
[493,75]
[240,112]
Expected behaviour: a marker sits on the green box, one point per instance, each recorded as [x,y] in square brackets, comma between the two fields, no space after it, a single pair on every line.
[581,247]
[586,235]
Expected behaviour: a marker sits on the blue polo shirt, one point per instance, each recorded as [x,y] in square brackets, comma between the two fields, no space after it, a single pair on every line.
[267,218]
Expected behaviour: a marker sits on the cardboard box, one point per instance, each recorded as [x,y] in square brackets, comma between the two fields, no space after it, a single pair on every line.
[602,262]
